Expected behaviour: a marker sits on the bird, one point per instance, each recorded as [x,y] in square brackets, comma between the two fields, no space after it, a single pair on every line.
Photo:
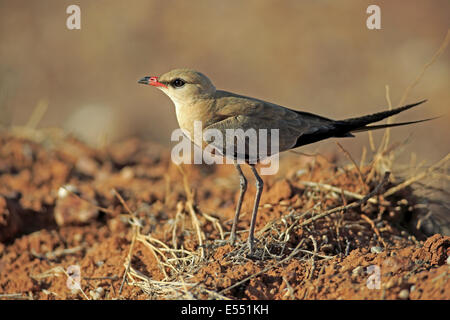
[196,99]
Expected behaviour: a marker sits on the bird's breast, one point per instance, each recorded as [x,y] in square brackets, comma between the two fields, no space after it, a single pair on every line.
[191,120]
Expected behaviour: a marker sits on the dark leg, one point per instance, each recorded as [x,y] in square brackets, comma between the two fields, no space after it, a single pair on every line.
[259,189]
[243,188]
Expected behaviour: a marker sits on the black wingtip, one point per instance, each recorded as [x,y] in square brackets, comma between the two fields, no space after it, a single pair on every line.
[417,103]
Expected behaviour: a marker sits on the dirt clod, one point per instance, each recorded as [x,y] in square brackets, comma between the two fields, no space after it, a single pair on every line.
[435,250]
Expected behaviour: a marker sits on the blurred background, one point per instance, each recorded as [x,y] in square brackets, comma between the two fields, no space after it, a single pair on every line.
[315,56]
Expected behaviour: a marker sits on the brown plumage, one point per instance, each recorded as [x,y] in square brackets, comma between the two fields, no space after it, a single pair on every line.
[196,99]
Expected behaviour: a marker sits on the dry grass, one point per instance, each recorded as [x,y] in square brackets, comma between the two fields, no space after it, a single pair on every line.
[274,246]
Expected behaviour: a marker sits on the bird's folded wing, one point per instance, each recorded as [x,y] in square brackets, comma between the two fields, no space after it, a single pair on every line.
[248,132]
[285,136]
[247,113]
[230,104]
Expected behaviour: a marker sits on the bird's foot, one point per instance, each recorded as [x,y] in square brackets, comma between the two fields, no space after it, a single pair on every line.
[232,239]
[251,247]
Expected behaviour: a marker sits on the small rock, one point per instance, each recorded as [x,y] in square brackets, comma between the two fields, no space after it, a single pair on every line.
[98,293]
[99,263]
[285,203]
[404,294]
[127,173]
[70,209]
[376,249]
[390,284]
[115,224]
[434,250]
[64,191]
[448,260]
[358,271]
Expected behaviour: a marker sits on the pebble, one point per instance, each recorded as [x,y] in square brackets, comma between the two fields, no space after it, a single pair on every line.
[358,271]
[65,190]
[448,260]
[98,293]
[70,209]
[404,294]
[390,284]
[99,263]
[127,173]
[376,249]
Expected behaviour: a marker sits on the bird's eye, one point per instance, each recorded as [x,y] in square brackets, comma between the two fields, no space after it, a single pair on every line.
[178,83]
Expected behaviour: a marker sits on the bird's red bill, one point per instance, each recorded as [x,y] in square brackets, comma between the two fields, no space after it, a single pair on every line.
[153,81]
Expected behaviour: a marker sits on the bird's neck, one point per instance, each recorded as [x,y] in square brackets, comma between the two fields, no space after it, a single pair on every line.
[189,111]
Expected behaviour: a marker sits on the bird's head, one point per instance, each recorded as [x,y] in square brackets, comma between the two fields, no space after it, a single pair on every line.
[182,85]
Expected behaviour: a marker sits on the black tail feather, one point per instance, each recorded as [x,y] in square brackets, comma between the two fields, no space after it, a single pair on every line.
[383,126]
[345,128]
[353,124]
